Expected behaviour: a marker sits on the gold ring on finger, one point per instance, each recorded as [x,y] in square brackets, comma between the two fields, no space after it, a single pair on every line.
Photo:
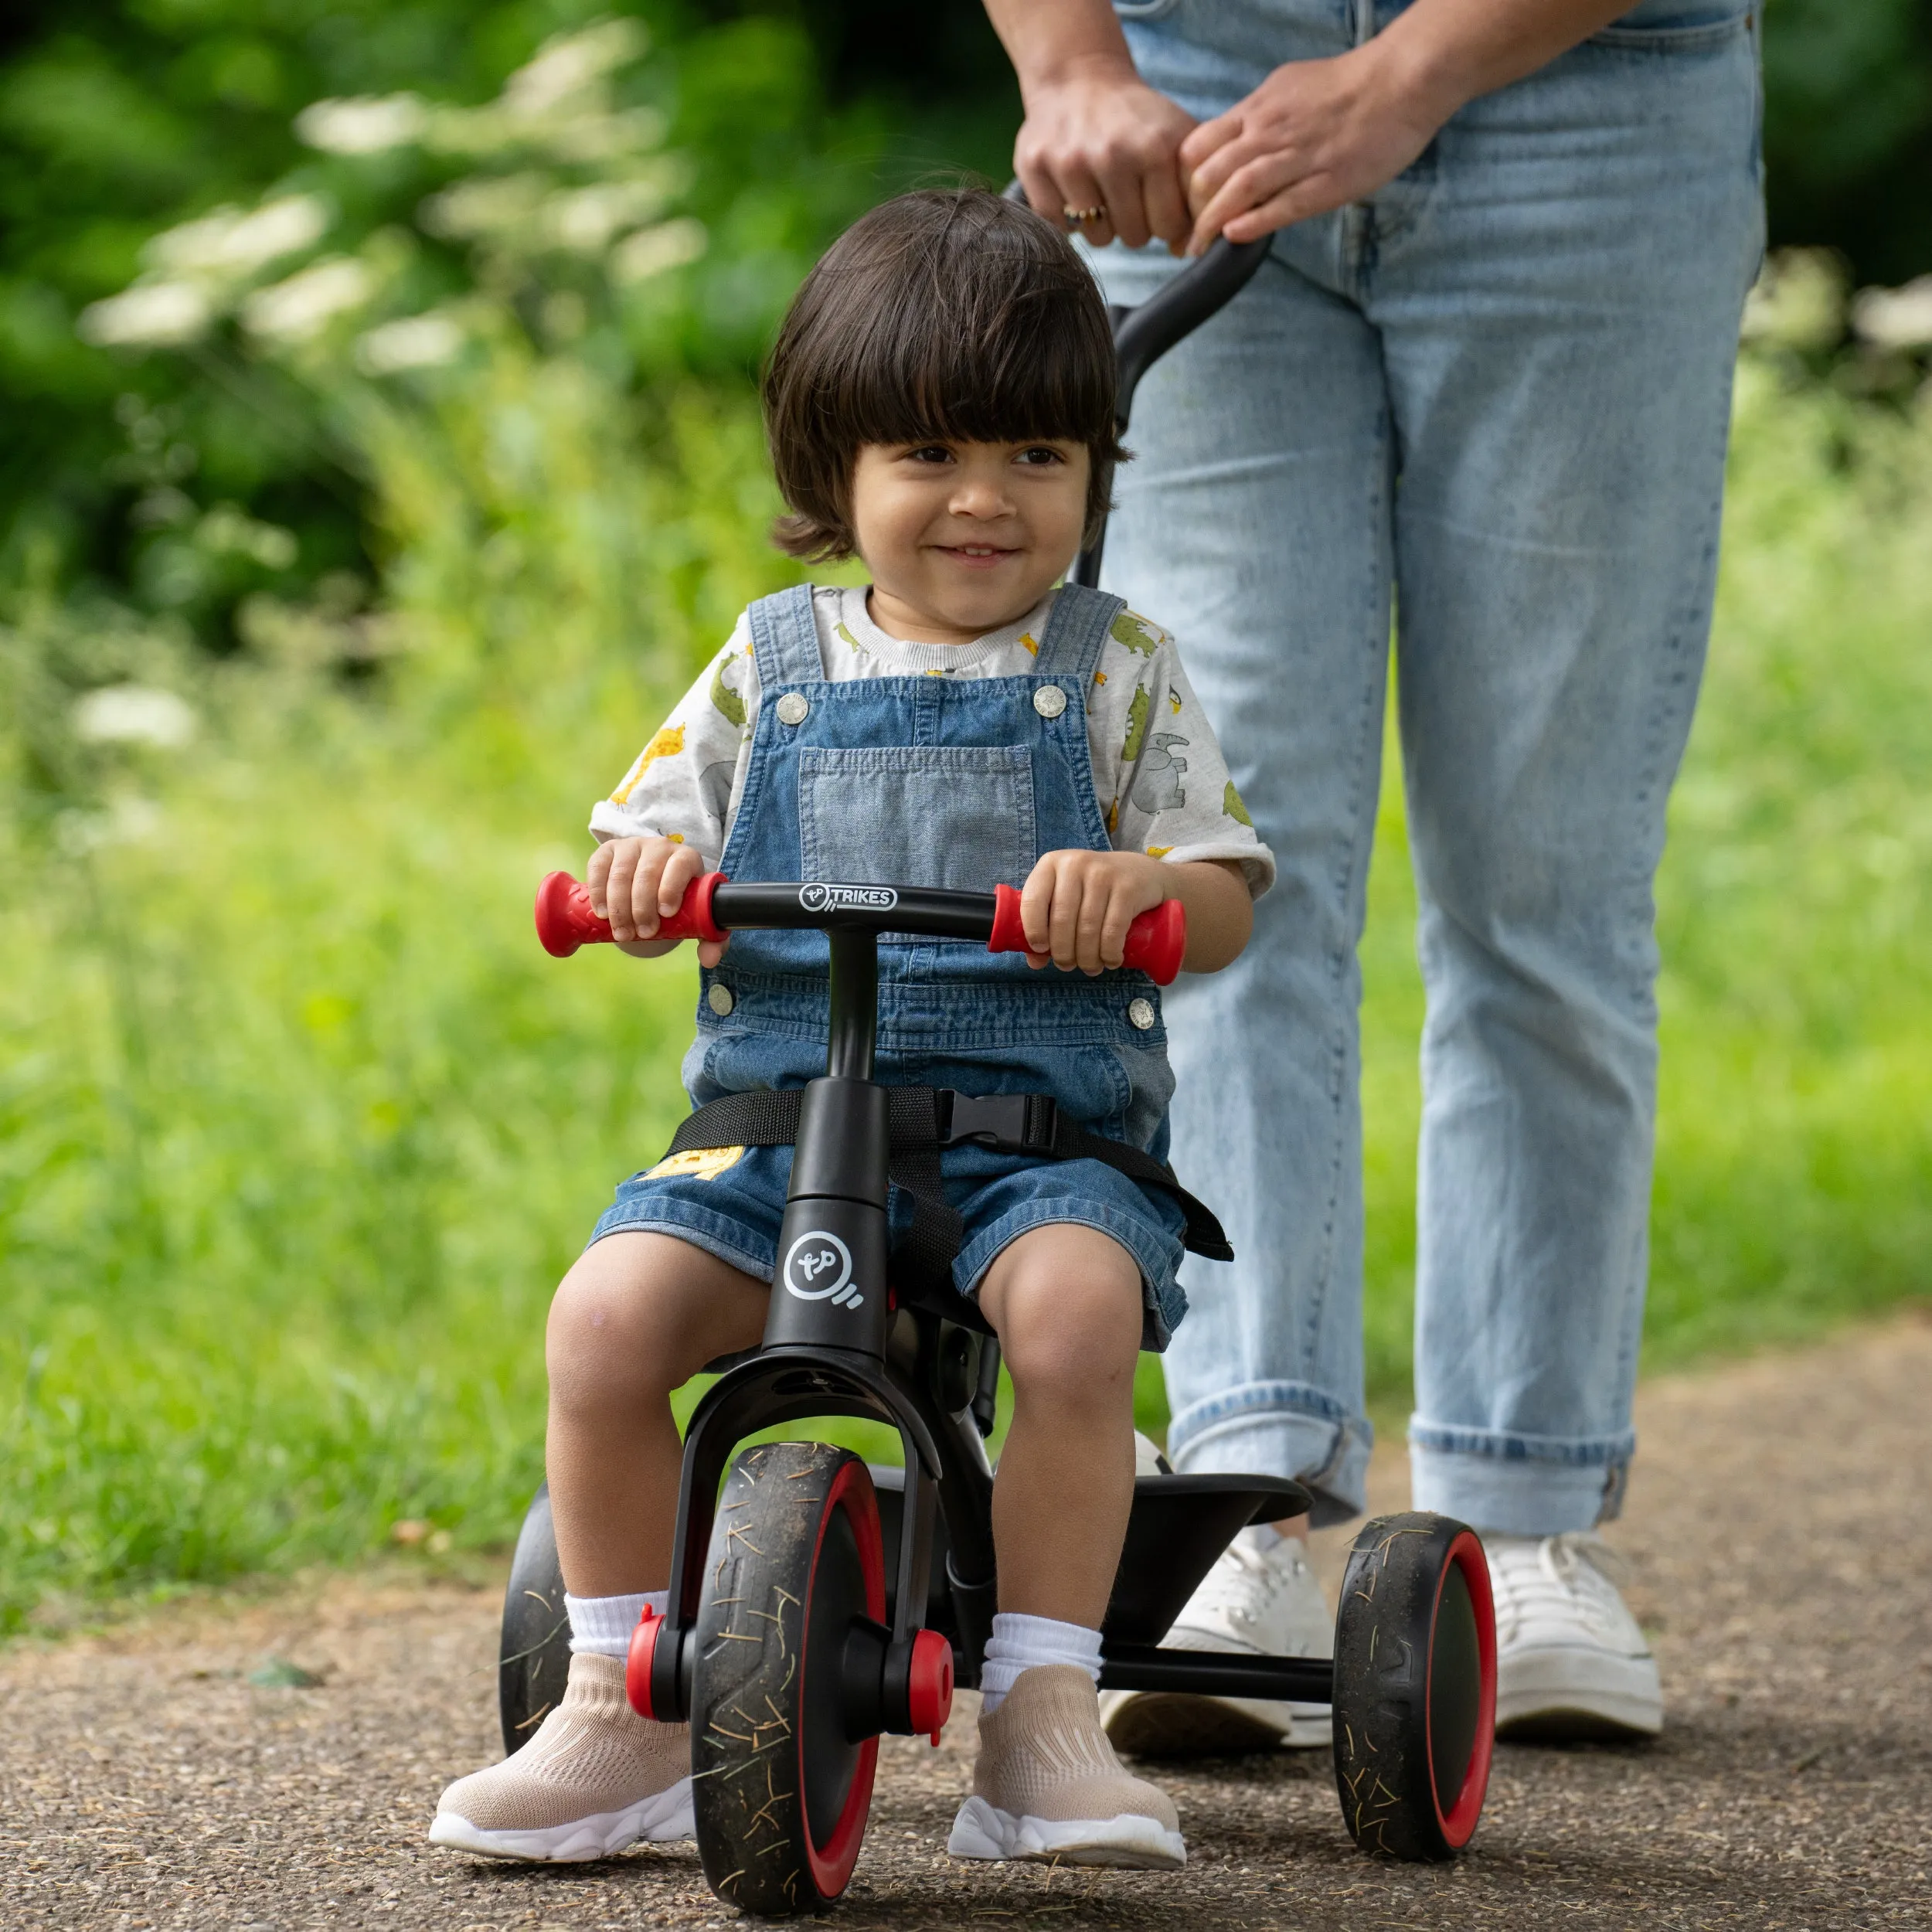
[1078,217]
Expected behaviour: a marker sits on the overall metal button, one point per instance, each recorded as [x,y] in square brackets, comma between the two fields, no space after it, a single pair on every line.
[1140,1012]
[719,1000]
[792,708]
[1049,700]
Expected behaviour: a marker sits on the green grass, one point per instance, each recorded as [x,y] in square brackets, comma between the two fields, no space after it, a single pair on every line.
[297,1128]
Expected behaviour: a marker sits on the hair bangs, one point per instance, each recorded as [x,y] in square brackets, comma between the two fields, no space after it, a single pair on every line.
[943,318]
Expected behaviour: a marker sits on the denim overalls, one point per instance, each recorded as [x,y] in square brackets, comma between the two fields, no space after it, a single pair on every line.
[959,782]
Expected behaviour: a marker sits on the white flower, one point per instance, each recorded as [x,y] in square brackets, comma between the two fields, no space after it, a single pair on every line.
[652,250]
[149,315]
[495,205]
[569,63]
[228,530]
[134,714]
[232,242]
[585,218]
[415,341]
[1895,318]
[366,125]
[293,310]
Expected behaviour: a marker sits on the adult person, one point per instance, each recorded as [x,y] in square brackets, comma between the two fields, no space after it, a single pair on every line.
[1481,383]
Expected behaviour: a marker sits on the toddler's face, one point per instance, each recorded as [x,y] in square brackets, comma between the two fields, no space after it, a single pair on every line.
[962,538]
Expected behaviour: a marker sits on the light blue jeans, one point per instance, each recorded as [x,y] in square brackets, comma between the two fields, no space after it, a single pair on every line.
[1493,400]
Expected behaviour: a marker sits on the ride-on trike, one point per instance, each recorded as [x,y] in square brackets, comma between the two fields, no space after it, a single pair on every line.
[816,1602]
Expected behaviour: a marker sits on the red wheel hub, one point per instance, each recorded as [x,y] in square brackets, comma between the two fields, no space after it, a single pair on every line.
[637,1666]
[929,1689]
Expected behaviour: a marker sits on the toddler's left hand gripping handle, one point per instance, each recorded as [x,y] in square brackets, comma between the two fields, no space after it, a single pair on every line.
[1156,941]
[565,919]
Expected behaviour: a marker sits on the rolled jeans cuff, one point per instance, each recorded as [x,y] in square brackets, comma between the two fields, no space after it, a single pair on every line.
[1518,1485]
[1279,1429]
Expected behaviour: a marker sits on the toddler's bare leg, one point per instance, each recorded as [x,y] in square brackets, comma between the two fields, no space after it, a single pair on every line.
[1066,1303]
[637,1317]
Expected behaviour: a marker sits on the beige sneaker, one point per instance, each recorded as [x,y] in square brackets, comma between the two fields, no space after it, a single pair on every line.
[1047,1785]
[595,1778]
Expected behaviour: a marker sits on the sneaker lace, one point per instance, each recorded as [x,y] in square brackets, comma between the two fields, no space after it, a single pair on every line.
[1573,1574]
[1244,1585]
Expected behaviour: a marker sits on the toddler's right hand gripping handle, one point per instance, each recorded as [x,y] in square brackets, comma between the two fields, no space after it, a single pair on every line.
[565,919]
[1155,941]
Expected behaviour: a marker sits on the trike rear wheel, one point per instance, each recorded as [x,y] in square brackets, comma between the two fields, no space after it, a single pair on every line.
[533,1656]
[1415,1686]
[780,1792]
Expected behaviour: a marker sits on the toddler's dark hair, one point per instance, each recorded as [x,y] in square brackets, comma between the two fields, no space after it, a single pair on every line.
[946,316]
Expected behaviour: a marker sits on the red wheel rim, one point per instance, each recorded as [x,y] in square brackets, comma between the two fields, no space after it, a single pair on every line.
[1458,1821]
[831,1863]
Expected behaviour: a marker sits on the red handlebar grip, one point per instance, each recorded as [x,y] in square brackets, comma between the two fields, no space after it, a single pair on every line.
[565,921]
[1155,941]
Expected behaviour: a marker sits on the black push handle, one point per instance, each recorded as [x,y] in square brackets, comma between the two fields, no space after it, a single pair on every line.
[1143,335]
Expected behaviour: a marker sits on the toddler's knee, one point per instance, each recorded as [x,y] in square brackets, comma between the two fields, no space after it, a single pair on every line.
[1070,1322]
[611,1341]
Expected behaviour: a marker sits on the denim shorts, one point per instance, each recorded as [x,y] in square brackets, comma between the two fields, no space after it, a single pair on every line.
[731,1207]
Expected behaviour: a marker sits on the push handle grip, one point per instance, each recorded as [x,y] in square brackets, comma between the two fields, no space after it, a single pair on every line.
[1155,941]
[565,919]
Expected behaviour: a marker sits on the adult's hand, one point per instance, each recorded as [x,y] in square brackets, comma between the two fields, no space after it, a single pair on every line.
[1317,134]
[1095,136]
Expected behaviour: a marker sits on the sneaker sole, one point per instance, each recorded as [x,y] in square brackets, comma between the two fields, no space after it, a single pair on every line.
[663,1816]
[1182,1724]
[1131,1841]
[1558,1694]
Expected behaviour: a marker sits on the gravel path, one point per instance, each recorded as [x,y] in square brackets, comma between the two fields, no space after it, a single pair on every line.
[1782,1553]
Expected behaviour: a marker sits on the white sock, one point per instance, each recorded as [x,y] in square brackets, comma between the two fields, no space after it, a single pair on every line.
[1020,1643]
[602,1625]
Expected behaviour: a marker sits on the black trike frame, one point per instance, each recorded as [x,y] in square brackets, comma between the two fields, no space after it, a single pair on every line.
[860,1352]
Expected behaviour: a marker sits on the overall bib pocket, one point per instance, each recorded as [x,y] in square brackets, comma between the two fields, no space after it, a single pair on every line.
[959,816]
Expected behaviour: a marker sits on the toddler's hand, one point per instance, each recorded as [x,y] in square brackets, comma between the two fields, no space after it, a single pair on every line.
[635,883]
[1077,906]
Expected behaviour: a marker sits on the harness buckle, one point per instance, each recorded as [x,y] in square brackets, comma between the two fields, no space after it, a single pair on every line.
[1008,1123]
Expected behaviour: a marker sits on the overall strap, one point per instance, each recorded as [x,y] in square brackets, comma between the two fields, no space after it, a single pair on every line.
[784,636]
[1076,630]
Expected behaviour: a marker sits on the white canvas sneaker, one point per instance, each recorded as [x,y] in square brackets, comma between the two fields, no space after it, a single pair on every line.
[1570,1661]
[1265,1603]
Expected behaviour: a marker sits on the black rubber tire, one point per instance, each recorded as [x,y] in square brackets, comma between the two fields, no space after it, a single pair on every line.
[1415,1686]
[533,1656]
[779,1792]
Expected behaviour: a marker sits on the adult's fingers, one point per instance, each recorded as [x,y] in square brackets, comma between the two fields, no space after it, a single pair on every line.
[1249,186]
[1208,139]
[1168,216]
[1084,189]
[1311,196]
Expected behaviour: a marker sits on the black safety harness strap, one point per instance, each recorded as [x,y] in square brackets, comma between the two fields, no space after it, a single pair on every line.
[923,1120]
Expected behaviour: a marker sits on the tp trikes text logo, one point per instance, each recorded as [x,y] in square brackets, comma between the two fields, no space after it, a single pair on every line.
[861,899]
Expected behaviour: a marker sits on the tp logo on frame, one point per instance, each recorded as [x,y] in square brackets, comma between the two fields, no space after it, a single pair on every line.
[818,1268]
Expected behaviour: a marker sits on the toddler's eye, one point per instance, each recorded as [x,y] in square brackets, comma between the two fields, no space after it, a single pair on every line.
[929,453]
[1039,457]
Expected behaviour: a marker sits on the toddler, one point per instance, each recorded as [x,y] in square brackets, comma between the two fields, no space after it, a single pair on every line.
[940,404]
